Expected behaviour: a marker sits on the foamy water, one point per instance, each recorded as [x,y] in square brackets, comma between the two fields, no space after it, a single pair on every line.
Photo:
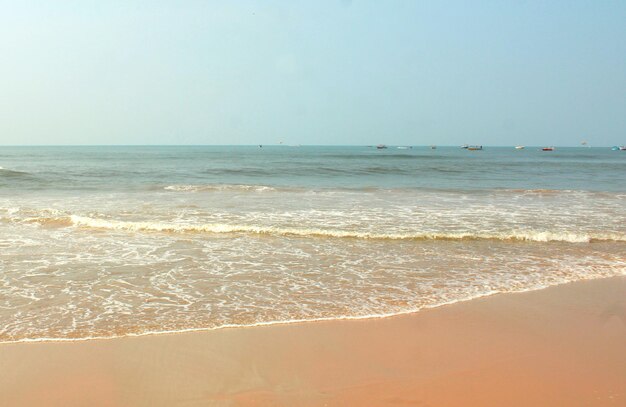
[106,243]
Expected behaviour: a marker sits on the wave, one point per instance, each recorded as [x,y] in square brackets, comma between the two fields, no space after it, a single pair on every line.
[380,315]
[59,221]
[306,171]
[409,155]
[221,228]
[12,173]
[268,323]
[219,187]
[372,188]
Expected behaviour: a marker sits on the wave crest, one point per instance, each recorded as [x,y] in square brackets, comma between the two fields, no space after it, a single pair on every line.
[12,173]
[218,187]
[534,236]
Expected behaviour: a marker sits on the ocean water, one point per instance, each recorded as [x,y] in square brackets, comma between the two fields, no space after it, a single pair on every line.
[112,241]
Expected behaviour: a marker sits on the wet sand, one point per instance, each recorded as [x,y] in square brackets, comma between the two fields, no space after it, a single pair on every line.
[562,346]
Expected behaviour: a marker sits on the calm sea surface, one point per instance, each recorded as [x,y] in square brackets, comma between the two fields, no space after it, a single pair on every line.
[113,241]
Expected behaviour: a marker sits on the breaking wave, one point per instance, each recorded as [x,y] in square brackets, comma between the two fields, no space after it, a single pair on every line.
[218,187]
[534,236]
[11,173]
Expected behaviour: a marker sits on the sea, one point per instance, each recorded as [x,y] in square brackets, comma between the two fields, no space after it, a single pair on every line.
[111,241]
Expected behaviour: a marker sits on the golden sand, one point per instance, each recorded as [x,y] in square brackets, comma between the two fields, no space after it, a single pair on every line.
[562,346]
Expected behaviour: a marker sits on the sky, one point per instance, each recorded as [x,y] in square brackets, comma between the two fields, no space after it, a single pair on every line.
[313,72]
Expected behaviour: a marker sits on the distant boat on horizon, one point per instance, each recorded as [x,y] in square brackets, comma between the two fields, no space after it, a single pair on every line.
[474,148]
[381,146]
[519,147]
[547,149]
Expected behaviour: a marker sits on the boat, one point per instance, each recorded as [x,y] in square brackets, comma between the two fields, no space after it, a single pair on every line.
[403,147]
[547,149]
[465,146]
[433,147]
[615,148]
[474,148]
[622,148]
[519,147]
[381,146]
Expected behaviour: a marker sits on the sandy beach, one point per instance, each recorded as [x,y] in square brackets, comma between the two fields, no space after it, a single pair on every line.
[561,346]
[304,203]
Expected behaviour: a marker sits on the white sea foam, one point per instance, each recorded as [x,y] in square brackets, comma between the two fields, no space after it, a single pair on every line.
[219,187]
[483,294]
[534,236]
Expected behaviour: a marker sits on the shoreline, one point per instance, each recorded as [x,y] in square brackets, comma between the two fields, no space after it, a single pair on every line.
[563,345]
[298,321]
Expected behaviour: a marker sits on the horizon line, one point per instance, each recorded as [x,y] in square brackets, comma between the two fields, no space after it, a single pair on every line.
[302,145]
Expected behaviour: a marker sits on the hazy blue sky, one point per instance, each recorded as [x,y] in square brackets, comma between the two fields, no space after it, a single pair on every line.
[313,72]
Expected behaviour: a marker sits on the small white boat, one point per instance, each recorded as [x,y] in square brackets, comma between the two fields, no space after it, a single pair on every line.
[403,147]
[622,148]
[519,147]
[381,146]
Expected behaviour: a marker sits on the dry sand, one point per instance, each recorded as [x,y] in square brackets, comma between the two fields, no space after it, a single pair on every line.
[562,346]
